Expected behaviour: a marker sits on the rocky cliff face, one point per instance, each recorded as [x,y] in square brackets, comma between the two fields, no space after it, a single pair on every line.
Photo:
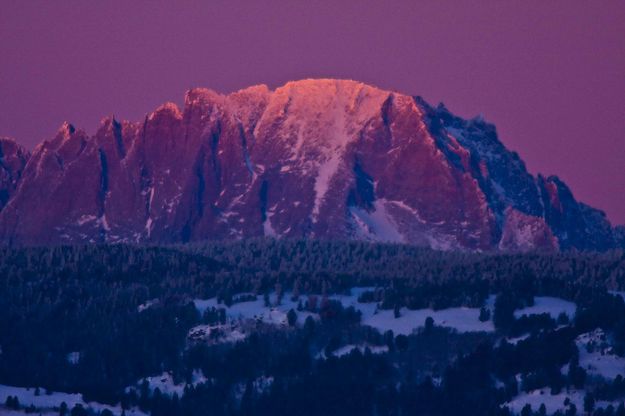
[313,159]
[12,161]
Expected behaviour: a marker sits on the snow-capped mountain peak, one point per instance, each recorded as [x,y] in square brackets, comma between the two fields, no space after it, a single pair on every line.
[318,158]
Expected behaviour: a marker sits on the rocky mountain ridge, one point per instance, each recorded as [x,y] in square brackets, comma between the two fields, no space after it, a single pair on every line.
[312,159]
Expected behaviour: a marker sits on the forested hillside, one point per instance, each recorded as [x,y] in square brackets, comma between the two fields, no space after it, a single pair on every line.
[310,327]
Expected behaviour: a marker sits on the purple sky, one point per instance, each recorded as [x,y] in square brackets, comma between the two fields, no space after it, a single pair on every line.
[549,74]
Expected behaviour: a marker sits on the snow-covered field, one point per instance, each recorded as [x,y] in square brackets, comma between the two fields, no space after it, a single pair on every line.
[596,356]
[48,403]
[256,309]
[553,306]
[552,402]
[461,319]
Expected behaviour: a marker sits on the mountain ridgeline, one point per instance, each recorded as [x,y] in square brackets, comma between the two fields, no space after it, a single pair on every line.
[324,159]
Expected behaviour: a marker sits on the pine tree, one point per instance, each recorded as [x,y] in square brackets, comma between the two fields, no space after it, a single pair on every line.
[279,294]
[396,311]
[589,403]
[291,317]
[429,324]
[527,410]
[296,290]
[401,341]
[484,314]
[12,402]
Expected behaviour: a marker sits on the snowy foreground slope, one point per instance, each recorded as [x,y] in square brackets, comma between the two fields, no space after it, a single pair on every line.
[242,317]
[601,362]
[318,158]
[596,358]
[50,402]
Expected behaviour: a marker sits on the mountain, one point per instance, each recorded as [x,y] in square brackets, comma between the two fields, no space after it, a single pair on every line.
[314,158]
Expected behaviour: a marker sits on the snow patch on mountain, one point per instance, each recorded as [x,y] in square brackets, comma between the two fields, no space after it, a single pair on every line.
[268,229]
[377,224]
[326,172]
[148,226]
[84,219]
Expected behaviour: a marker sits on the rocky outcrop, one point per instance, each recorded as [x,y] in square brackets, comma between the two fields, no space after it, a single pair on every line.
[13,159]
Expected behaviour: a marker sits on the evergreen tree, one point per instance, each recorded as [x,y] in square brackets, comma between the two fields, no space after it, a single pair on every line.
[526,410]
[484,314]
[589,403]
[429,324]
[291,317]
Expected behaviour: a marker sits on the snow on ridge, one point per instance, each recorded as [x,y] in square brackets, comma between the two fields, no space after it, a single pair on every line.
[148,226]
[406,207]
[326,172]
[319,119]
[85,219]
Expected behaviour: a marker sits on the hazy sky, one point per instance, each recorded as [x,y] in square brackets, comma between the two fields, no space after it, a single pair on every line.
[549,74]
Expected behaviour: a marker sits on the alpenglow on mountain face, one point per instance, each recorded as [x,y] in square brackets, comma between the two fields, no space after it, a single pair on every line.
[328,159]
